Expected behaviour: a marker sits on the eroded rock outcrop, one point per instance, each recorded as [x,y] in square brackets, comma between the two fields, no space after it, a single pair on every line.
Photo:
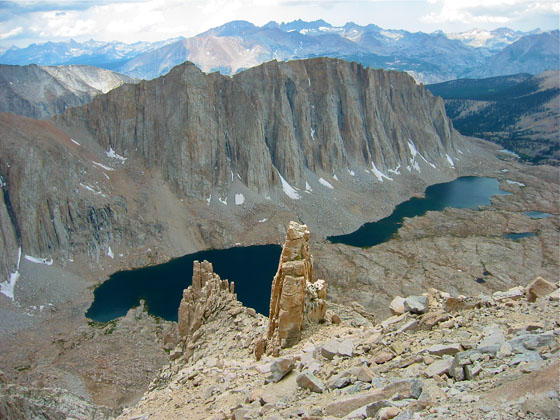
[294,297]
[207,296]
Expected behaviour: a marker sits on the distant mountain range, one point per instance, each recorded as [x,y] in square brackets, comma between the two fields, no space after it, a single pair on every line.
[239,45]
[520,112]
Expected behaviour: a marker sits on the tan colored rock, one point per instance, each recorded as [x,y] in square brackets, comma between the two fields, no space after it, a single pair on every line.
[397,305]
[203,299]
[539,288]
[294,297]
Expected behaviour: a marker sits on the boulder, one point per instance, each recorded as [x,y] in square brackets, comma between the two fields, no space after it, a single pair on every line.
[397,305]
[280,368]
[416,304]
[443,349]
[335,347]
[439,367]
[309,381]
[539,288]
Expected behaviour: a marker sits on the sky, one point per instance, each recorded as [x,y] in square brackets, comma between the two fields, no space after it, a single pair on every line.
[23,22]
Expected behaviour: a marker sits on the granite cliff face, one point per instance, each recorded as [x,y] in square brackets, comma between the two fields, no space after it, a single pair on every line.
[276,125]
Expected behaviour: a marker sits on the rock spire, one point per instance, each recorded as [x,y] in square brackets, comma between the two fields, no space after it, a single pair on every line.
[207,296]
[294,298]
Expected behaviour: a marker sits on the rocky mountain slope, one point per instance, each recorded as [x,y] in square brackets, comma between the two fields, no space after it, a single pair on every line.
[298,135]
[42,92]
[438,356]
[531,54]
[519,112]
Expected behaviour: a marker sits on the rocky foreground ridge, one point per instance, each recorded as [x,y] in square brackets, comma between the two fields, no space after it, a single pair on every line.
[439,356]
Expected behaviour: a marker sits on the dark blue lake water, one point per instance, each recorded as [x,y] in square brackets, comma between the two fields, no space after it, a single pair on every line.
[161,286]
[466,192]
[521,235]
[252,268]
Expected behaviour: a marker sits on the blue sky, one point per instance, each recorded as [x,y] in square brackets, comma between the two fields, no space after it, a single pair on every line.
[26,21]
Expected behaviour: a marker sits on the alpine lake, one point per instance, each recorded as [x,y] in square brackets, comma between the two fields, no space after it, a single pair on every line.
[252,268]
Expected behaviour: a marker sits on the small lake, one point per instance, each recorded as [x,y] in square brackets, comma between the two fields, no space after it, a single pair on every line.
[252,269]
[466,192]
[520,235]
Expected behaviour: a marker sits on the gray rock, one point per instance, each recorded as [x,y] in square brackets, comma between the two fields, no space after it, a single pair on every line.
[409,326]
[416,304]
[493,339]
[309,381]
[373,409]
[334,347]
[471,371]
[525,342]
[343,379]
[439,367]
[527,357]
[280,368]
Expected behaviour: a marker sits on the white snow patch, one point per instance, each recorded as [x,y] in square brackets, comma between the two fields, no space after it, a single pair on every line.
[209,199]
[223,201]
[335,177]
[231,175]
[308,187]
[413,152]
[75,142]
[351,172]
[263,220]
[288,189]
[460,151]
[396,171]
[39,260]
[508,152]
[378,174]
[107,168]
[450,160]
[312,133]
[412,147]
[112,154]
[7,287]
[110,253]
[106,176]
[326,183]
[238,176]
[509,181]
[426,160]
[505,171]
[90,188]
[239,199]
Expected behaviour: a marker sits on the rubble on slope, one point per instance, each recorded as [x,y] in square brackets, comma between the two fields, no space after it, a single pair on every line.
[484,357]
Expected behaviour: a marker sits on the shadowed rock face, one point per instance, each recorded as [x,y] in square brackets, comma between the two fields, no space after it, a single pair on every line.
[44,91]
[275,120]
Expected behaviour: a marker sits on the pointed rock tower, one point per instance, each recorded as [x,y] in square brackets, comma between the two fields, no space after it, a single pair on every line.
[294,298]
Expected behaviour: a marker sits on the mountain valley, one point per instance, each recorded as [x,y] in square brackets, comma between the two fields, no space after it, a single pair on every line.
[520,112]
[188,161]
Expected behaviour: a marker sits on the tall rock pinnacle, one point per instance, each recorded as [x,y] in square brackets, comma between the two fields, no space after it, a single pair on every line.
[292,287]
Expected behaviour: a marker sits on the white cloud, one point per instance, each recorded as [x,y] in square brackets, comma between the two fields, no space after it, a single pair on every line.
[475,12]
[11,33]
